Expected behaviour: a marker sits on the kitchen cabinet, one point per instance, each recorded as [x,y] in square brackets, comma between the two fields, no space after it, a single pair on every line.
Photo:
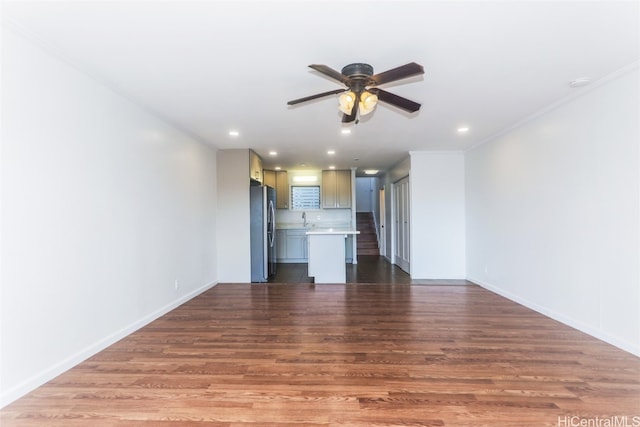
[291,245]
[297,245]
[281,245]
[336,189]
[282,190]
[255,166]
[280,181]
[269,178]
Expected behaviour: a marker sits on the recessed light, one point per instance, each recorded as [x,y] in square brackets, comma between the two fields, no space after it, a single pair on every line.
[234,133]
[278,168]
[463,129]
[331,152]
[371,171]
[332,167]
[579,82]
[273,153]
[345,131]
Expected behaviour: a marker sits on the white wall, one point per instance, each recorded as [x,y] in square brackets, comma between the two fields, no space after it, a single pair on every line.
[437,215]
[233,216]
[553,213]
[365,196]
[103,207]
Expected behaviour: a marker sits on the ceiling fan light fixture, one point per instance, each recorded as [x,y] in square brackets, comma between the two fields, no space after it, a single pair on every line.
[368,102]
[346,101]
[356,98]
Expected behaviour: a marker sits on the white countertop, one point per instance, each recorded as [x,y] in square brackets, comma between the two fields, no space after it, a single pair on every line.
[311,226]
[332,231]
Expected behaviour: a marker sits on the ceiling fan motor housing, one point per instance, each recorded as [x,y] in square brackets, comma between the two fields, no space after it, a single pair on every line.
[358,74]
[357,70]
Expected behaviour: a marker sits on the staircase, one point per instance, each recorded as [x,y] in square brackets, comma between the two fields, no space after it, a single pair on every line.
[367,239]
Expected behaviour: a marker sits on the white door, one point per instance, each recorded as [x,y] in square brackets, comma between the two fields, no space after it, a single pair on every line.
[401,232]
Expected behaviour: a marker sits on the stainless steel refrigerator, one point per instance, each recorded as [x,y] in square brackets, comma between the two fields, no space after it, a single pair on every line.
[263,233]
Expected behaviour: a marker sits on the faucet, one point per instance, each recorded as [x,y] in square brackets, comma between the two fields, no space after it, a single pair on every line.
[304,219]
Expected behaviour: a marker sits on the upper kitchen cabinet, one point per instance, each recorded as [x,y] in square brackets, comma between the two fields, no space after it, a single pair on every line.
[280,181]
[282,190]
[269,178]
[255,166]
[336,189]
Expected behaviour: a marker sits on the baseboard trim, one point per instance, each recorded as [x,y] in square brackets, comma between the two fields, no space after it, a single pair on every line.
[443,277]
[14,393]
[594,332]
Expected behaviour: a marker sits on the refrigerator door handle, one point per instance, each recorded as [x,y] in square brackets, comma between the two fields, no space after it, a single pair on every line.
[272,223]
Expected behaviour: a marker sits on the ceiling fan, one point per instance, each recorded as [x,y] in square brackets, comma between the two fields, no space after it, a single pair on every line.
[361,95]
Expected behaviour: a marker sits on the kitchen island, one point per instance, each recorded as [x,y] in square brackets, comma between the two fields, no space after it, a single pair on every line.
[327,254]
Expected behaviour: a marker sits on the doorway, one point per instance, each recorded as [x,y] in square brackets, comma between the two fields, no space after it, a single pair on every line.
[401,221]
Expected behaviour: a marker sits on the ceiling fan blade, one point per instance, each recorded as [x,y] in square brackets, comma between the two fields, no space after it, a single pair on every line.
[319,95]
[398,101]
[401,72]
[328,71]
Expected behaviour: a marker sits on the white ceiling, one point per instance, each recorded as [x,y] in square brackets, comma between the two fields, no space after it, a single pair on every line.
[212,66]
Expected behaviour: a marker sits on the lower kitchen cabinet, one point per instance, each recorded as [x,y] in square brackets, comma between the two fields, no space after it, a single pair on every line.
[281,245]
[291,245]
[297,245]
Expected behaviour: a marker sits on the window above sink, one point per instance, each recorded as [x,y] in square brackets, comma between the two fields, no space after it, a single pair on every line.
[305,197]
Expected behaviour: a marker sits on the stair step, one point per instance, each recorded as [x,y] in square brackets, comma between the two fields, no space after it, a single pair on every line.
[368,252]
[371,245]
[367,239]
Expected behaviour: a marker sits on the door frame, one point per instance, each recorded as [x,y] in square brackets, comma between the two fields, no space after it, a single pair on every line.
[382,234]
[403,204]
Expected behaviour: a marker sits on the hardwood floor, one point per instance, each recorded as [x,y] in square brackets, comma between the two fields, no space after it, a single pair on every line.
[369,269]
[309,355]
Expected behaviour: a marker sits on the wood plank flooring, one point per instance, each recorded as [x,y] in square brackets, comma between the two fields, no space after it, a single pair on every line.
[304,355]
[369,269]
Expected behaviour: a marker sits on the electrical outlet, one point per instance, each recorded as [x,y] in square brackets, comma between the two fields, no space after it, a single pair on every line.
[177,285]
